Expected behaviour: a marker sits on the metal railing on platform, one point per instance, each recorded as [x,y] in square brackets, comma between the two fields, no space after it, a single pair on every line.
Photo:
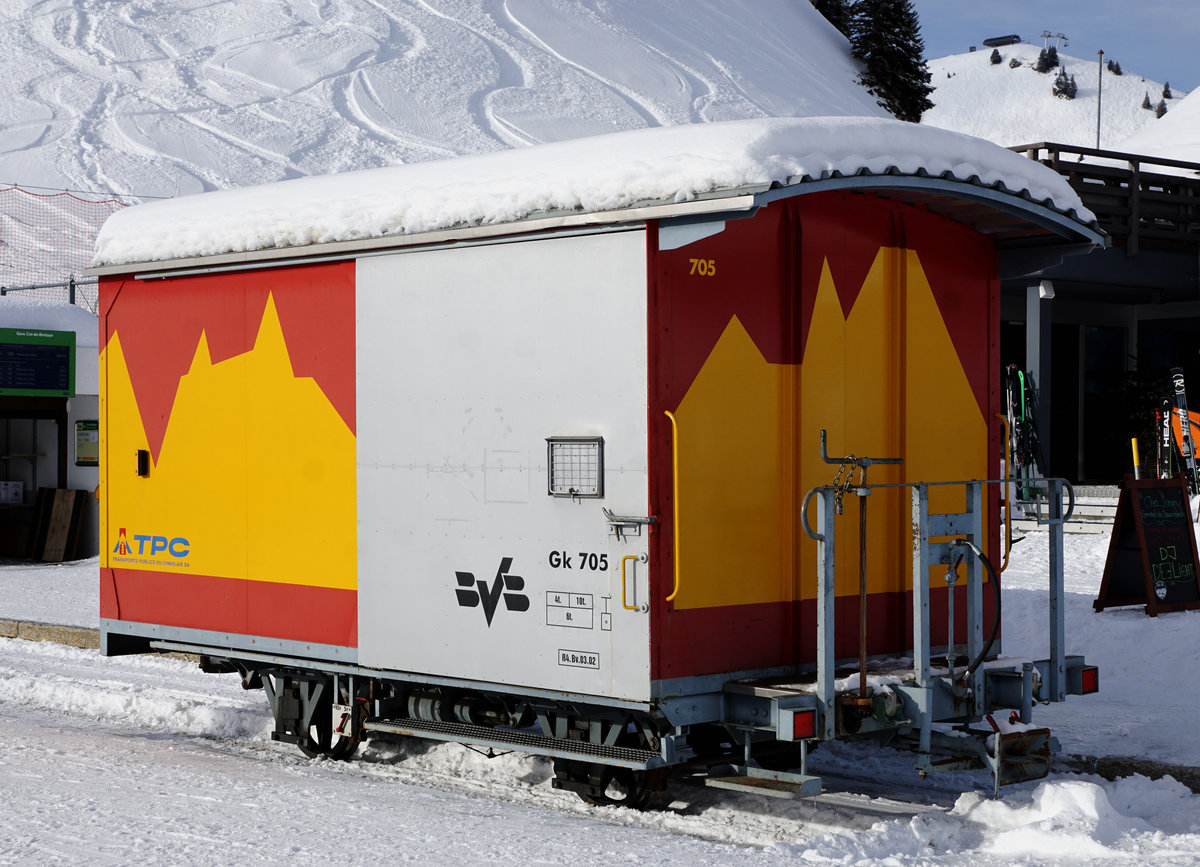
[76,289]
[1136,198]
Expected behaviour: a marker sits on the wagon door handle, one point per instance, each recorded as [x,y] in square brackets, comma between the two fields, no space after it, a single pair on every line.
[674,498]
[641,558]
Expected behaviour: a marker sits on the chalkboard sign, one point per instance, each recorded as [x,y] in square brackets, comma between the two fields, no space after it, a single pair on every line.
[1152,553]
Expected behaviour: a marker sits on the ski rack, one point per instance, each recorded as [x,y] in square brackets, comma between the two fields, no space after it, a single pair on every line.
[930,697]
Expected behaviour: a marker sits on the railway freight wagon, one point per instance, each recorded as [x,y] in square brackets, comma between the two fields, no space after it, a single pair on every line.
[618,451]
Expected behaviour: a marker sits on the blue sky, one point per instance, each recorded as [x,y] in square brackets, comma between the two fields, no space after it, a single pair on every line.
[1159,39]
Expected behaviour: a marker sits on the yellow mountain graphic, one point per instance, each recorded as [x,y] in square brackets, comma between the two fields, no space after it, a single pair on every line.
[749,434]
[256,471]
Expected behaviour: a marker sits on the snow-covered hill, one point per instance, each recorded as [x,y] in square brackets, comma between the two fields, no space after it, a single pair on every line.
[1012,105]
[161,99]
[1176,136]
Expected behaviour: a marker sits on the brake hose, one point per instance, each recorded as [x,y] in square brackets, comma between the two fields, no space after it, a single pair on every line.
[987,646]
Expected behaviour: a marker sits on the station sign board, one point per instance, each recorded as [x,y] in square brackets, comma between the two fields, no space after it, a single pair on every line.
[37,362]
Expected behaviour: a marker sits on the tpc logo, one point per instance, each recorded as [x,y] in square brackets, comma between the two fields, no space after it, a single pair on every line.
[472,593]
[177,547]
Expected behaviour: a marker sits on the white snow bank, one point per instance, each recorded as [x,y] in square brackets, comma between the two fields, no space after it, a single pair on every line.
[601,173]
[18,312]
[1132,820]
[159,697]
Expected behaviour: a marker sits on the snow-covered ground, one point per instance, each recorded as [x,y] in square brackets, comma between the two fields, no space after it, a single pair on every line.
[106,758]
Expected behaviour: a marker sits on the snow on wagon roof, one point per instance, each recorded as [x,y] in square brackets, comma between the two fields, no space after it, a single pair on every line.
[593,175]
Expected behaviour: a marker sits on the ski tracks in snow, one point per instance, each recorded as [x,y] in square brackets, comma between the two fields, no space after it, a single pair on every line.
[650,112]
[513,71]
[162,97]
[198,110]
[359,101]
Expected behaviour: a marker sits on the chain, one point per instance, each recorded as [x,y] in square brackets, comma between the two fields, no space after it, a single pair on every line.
[843,481]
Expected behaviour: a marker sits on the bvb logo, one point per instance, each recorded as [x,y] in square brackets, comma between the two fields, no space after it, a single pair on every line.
[472,593]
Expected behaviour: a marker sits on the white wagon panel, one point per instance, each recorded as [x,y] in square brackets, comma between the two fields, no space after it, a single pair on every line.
[468,359]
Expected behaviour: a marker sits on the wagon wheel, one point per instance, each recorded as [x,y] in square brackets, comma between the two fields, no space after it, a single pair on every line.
[321,740]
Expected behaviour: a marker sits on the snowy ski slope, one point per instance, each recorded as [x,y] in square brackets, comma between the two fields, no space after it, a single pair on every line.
[164,98]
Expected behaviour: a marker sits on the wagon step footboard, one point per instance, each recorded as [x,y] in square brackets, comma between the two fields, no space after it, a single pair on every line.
[773,784]
[519,739]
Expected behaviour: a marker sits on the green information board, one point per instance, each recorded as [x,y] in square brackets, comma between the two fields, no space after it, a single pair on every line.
[35,362]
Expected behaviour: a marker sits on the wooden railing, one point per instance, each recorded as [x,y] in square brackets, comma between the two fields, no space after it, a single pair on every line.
[1138,200]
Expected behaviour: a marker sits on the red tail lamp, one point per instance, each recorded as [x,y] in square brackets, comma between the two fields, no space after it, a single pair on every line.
[804,724]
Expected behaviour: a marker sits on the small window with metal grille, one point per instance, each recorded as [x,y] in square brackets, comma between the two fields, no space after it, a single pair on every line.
[576,466]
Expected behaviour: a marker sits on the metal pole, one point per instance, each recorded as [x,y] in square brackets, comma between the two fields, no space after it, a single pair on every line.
[920,565]
[924,696]
[1099,95]
[974,496]
[1037,361]
[1058,641]
[826,585]
[863,491]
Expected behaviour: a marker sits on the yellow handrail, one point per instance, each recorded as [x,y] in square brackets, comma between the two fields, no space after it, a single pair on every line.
[625,604]
[1004,499]
[674,496]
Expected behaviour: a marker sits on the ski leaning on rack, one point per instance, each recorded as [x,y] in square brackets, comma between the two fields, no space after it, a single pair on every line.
[1166,442]
[1021,400]
[1186,443]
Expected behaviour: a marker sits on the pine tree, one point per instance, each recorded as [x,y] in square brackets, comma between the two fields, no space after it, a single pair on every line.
[1047,59]
[887,39]
[1167,91]
[1146,101]
[1114,67]
[839,13]
[995,57]
[1161,108]
[1064,86]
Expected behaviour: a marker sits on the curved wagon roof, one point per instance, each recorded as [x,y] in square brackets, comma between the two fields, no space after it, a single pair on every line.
[658,173]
